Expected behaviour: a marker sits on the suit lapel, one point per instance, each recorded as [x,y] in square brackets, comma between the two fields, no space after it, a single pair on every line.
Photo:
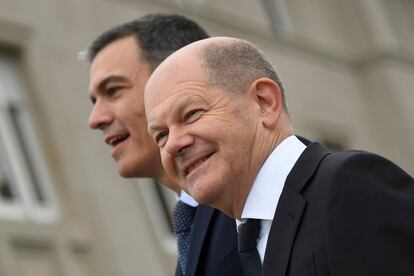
[289,211]
[201,223]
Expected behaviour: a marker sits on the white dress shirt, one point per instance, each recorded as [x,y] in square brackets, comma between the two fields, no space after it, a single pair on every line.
[187,199]
[264,195]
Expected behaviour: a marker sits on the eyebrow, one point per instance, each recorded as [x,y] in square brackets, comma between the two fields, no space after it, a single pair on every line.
[151,128]
[112,78]
[178,108]
[154,127]
[103,83]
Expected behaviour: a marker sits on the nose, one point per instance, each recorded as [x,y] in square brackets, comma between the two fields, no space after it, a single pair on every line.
[177,142]
[99,117]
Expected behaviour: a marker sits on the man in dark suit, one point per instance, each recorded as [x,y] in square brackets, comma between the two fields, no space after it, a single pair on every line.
[217,110]
[122,59]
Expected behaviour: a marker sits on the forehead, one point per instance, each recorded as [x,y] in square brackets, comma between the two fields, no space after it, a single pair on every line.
[175,80]
[120,58]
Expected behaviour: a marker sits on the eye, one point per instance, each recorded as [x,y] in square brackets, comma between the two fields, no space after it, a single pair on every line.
[193,115]
[111,91]
[161,138]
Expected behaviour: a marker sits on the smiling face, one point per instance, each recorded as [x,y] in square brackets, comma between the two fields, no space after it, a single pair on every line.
[117,79]
[205,134]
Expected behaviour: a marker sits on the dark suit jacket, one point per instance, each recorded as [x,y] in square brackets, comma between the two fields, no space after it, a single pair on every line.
[213,248]
[343,214]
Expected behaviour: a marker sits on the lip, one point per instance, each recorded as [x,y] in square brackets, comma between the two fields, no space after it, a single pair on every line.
[115,149]
[192,162]
[108,138]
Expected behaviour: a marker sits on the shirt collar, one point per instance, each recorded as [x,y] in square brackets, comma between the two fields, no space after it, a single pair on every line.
[264,195]
[187,199]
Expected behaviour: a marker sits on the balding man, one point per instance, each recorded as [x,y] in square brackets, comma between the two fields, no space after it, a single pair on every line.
[217,110]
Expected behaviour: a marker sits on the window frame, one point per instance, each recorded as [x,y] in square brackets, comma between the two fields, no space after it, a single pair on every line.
[28,172]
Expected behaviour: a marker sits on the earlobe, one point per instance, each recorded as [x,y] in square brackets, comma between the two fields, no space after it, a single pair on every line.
[269,100]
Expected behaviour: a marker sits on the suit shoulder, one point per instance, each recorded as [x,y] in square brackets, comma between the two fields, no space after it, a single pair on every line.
[351,175]
[368,214]
[362,164]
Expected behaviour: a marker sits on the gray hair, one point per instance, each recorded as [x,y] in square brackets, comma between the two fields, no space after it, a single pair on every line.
[236,64]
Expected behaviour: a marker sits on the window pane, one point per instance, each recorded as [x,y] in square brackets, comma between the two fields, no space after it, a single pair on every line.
[7,188]
[278,15]
[14,117]
[6,191]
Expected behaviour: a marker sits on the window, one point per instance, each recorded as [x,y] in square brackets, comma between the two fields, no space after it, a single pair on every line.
[333,137]
[193,3]
[160,201]
[333,144]
[278,15]
[401,15]
[25,190]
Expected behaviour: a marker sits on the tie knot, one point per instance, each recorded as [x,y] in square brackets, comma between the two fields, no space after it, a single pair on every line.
[183,216]
[248,234]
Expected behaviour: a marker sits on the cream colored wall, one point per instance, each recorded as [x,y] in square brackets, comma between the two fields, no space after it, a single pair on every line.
[345,76]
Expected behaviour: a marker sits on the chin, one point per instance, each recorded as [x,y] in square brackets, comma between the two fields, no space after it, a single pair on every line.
[125,174]
[136,168]
[126,171]
[205,194]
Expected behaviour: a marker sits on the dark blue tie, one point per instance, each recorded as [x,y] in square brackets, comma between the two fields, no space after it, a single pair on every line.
[183,216]
[247,242]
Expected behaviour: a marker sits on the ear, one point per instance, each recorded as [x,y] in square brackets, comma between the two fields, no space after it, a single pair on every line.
[268,98]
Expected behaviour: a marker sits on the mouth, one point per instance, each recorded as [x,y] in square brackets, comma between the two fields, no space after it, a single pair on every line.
[115,140]
[193,165]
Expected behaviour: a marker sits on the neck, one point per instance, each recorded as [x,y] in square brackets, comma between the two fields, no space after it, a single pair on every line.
[262,153]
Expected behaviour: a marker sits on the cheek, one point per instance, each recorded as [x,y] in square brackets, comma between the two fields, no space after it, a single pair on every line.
[234,159]
[131,110]
[167,163]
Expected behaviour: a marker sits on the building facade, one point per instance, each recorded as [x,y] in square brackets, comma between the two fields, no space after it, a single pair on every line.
[348,68]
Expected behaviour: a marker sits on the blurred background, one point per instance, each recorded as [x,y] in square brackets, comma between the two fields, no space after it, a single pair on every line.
[348,68]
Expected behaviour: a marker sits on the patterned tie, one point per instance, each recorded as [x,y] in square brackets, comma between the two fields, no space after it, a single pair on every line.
[249,257]
[183,216]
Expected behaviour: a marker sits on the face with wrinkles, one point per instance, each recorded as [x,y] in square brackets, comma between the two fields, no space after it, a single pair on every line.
[204,133]
[117,79]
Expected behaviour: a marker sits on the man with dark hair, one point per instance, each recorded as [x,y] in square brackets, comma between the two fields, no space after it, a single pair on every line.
[217,111]
[122,59]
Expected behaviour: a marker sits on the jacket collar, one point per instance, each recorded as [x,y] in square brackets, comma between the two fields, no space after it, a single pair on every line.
[289,211]
[200,226]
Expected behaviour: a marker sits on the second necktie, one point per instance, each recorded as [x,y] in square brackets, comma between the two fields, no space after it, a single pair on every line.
[247,242]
